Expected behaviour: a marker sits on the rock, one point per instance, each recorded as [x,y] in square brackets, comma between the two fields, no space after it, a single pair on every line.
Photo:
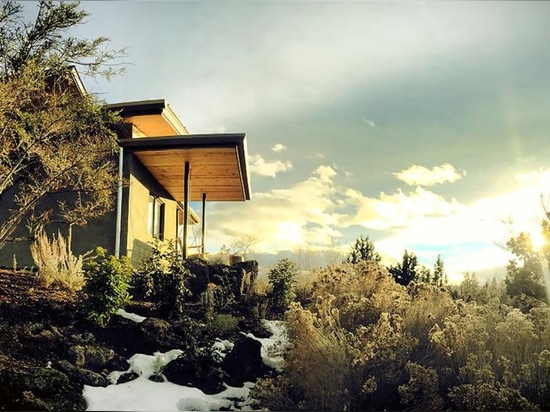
[201,375]
[81,375]
[232,281]
[39,388]
[159,334]
[244,362]
[127,377]
[90,357]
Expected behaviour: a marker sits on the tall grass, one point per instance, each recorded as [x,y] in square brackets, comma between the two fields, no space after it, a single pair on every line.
[55,262]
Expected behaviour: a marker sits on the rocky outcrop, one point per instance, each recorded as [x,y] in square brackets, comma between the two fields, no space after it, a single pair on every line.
[90,357]
[39,389]
[233,281]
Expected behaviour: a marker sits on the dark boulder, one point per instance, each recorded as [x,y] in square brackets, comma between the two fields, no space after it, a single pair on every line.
[81,375]
[90,357]
[39,389]
[160,335]
[198,373]
[244,362]
[231,281]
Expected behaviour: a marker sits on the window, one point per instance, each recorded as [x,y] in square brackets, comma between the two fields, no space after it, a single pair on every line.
[155,218]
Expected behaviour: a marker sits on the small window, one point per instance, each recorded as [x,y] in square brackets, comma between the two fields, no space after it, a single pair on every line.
[155,217]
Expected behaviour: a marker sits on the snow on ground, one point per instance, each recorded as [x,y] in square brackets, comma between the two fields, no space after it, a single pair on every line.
[273,347]
[141,394]
[132,316]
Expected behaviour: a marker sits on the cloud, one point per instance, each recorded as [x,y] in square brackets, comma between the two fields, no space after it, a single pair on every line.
[325,173]
[306,213]
[368,122]
[398,210]
[421,176]
[260,166]
[278,147]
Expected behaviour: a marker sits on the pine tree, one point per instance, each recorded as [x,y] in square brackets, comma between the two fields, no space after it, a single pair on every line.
[406,271]
[439,276]
[363,250]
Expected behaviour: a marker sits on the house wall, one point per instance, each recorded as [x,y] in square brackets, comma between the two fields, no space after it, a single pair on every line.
[98,232]
[141,184]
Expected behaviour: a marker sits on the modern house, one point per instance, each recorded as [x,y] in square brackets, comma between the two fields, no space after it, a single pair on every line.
[162,169]
[165,169]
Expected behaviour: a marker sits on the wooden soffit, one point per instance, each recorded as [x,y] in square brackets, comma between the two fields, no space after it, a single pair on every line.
[218,164]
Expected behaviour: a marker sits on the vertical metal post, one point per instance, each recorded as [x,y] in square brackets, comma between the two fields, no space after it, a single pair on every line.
[185,208]
[203,221]
[119,203]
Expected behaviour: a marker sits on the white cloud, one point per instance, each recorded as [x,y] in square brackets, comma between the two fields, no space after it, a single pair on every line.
[468,239]
[283,219]
[325,173]
[278,147]
[399,209]
[262,167]
[422,176]
[368,122]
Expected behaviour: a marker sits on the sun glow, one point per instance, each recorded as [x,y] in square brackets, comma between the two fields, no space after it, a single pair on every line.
[290,232]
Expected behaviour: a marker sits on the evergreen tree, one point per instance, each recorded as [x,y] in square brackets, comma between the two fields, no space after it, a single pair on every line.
[523,280]
[406,271]
[439,276]
[363,250]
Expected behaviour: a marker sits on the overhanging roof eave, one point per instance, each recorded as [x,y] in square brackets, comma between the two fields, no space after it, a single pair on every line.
[235,141]
[191,141]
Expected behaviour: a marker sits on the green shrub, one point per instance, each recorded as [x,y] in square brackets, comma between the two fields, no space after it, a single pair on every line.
[221,324]
[107,284]
[163,278]
[282,279]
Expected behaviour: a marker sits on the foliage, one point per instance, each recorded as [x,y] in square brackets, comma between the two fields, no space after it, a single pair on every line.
[163,278]
[524,283]
[439,276]
[365,342]
[282,278]
[56,263]
[45,120]
[107,284]
[222,324]
[363,250]
[406,271]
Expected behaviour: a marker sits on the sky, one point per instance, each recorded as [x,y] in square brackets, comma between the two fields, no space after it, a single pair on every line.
[423,125]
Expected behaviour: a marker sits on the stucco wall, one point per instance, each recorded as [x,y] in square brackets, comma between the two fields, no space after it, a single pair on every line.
[140,186]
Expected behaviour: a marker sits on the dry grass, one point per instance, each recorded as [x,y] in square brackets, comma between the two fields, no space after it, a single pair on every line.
[55,263]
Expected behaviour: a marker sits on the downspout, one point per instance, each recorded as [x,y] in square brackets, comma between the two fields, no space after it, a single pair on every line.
[119,203]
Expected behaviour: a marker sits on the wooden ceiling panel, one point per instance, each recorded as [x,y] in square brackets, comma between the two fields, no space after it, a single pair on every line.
[220,172]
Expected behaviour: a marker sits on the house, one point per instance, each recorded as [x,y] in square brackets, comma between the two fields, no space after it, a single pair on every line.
[165,169]
[162,169]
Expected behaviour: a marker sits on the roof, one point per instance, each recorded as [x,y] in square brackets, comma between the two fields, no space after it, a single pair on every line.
[151,117]
[218,164]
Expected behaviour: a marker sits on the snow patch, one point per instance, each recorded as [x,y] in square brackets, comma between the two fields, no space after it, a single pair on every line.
[273,347]
[131,316]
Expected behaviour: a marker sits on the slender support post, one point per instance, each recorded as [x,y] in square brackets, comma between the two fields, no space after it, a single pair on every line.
[203,221]
[119,203]
[185,208]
